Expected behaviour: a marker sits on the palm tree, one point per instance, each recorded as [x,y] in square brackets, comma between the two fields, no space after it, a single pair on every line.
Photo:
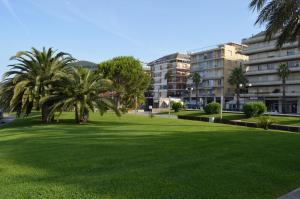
[237,78]
[196,78]
[33,75]
[280,17]
[283,72]
[80,90]
[6,93]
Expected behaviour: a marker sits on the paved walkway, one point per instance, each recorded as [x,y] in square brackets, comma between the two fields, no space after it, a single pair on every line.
[156,115]
[292,195]
[7,120]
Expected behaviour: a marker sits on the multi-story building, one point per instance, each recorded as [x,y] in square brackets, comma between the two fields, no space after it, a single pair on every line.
[214,66]
[169,77]
[261,71]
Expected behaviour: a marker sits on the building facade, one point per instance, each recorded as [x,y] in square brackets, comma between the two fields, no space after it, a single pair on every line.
[169,77]
[261,72]
[214,66]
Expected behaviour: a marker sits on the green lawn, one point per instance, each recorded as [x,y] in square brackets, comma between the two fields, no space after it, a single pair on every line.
[136,157]
[284,120]
[226,116]
[294,121]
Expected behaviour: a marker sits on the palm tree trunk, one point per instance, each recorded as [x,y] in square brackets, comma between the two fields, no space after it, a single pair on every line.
[45,112]
[85,116]
[283,97]
[118,100]
[76,114]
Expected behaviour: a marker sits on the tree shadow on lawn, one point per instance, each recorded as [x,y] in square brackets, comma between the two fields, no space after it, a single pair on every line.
[176,163]
[25,123]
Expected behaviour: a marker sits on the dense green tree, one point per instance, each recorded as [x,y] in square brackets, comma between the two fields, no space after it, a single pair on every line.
[81,91]
[31,77]
[283,72]
[129,80]
[280,17]
[237,78]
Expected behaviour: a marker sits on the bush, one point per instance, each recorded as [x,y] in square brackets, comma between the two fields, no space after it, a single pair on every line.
[212,108]
[177,106]
[254,109]
[265,122]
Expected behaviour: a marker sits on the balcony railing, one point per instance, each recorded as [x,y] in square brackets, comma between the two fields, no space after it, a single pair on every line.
[275,58]
[270,94]
[265,47]
[257,72]
[271,83]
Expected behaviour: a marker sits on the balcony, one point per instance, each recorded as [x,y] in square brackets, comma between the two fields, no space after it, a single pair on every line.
[266,94]
[196,61]
[206,68]
[213,77]
[265,48]
[211,86]
[274,71]
[273,59]
[273,83]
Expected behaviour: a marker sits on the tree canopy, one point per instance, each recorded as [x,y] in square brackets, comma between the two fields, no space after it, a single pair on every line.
[30,78]
[129,80]
[281,17]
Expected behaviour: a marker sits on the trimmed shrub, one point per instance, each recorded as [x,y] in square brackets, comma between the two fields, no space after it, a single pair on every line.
[265,122]
[254,109]
[177,106]
[212,108]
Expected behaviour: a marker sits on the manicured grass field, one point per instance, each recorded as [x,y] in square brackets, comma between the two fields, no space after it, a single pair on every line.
[284,120]
[226,116]
[136,157]
[294,121]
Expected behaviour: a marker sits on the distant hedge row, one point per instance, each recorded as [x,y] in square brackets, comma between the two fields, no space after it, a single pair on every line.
[251,109]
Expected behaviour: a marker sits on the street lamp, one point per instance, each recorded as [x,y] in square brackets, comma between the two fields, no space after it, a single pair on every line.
[247,85]
[159,100]
[169,106]
[190,94]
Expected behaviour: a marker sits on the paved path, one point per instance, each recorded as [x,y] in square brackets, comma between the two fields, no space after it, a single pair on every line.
[292,195]
[156,115]
[7,120]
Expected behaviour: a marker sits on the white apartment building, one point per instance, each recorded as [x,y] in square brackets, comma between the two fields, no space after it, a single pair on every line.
[261,71]
[214,66]
[169,76]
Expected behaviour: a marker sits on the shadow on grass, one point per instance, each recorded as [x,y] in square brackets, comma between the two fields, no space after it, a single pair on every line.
[154,159]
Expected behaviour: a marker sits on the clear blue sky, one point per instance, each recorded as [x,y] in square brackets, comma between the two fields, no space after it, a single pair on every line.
[96,30]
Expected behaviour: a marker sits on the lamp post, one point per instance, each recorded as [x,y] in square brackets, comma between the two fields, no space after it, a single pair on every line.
[190,94]
[169,106]
[247,85]
[222,96]
[158,100]
[136,105]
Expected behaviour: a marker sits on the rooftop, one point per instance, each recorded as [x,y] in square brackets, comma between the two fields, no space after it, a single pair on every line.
[175,56]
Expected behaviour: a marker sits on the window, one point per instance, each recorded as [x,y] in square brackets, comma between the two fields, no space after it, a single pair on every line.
[293,64]
[291,52]
[270,66]
[259,68]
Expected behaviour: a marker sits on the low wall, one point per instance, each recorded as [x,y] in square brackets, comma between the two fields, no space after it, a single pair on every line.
[242,123]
